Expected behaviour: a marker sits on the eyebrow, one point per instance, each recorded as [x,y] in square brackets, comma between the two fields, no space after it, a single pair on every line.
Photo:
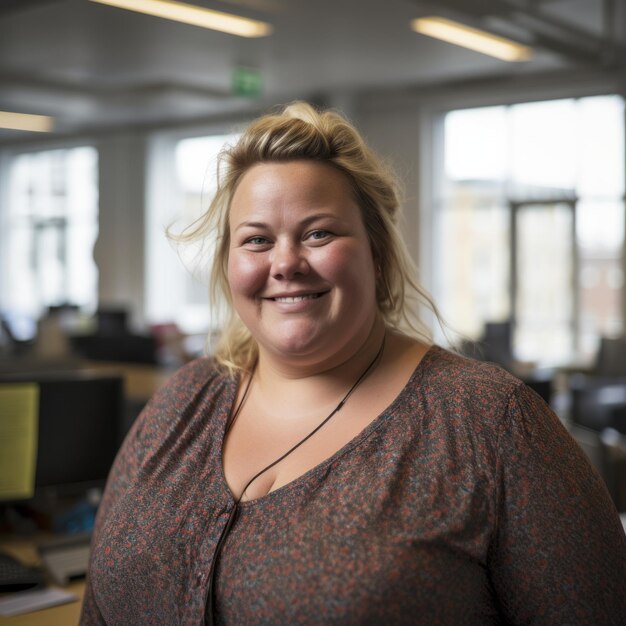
[261,225]
[305,222]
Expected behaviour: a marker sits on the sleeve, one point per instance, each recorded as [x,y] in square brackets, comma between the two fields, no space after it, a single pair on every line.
[90,613]
[147,430]
[558,555]
[122,474]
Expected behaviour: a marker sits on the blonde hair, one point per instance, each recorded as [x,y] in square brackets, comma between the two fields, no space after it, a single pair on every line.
[300,132]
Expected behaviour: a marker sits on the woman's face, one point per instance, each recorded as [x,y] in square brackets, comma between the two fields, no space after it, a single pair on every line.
[300,265]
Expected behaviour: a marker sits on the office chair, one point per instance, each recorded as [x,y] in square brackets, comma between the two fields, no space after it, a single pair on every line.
[611,357]
[614,444]
[607,452]
[599,402]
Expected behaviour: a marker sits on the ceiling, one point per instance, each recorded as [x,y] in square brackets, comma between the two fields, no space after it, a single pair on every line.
[95,67]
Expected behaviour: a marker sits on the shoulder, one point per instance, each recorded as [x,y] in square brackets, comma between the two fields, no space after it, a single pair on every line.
[199,374]
[201,367]
[196,390]
[458,379]
[481,400]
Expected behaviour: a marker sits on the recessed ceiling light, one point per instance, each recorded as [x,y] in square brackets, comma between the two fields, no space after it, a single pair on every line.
[24,121]
[195,15]
[472,38]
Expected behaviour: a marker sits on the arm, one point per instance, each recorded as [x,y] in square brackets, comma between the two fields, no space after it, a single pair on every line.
[122,474]
[90,614]
[163,419]
[559,552]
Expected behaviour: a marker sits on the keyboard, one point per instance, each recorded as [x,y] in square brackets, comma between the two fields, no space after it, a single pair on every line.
[15,576]
[66,558]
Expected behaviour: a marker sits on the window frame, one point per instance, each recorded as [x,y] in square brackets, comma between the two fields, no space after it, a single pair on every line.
[8,154]
[433,109]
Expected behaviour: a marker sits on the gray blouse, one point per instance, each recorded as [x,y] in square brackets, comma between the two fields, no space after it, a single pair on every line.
[464,502]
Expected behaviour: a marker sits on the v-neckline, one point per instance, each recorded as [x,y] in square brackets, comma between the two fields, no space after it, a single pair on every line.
[361,436]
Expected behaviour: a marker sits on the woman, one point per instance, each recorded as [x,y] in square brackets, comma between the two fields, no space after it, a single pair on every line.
[331,466]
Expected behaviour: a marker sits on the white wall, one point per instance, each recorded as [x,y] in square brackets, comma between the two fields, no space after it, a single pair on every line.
[394,134]
[119,250]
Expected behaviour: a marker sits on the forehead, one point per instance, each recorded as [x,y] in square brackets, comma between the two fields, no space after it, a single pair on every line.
[295,186]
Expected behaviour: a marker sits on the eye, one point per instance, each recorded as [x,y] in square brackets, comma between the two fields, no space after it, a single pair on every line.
[257,240]
[318,235]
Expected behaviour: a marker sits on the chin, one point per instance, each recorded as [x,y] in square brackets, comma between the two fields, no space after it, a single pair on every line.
[295,348]
[296,337]
[302,348]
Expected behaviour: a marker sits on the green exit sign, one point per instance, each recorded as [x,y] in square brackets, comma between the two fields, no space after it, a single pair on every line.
[247,82]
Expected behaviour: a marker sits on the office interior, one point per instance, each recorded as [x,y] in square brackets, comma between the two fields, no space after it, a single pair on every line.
[513,174]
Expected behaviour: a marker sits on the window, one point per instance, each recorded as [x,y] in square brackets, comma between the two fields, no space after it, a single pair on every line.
[181,186]
[530,223]
[51,220]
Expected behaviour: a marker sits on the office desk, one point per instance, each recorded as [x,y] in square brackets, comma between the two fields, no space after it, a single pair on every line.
[140,381]
[63,615]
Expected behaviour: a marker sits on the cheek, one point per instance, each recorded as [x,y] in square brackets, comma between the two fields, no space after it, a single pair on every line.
[245,275]
[348,264]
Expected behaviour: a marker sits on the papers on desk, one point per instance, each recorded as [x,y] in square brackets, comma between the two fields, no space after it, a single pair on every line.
[28,601]
[19,420]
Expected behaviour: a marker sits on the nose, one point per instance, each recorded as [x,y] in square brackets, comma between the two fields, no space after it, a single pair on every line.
[288,261]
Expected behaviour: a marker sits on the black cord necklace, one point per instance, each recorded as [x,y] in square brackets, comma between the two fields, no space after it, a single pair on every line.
[210,609]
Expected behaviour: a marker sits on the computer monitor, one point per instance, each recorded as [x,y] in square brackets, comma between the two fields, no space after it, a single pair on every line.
[80,427]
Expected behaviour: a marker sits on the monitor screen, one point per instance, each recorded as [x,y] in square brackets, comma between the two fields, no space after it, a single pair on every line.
[80,421]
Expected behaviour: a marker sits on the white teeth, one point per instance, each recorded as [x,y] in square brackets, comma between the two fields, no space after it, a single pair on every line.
[298,298]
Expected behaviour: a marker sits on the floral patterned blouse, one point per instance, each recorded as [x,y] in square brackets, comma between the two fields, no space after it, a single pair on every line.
[464,502]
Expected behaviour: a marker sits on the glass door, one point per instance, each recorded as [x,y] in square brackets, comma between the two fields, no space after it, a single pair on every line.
[543,262]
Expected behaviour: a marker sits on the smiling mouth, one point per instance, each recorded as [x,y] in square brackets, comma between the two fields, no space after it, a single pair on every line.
[292,299]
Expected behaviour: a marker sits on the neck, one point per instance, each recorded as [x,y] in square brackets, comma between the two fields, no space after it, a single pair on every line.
[331,374]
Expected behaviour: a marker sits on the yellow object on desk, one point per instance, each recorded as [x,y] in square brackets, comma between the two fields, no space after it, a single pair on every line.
[18,439]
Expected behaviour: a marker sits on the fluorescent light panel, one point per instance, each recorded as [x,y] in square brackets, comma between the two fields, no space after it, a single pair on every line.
[472,38]
[197,16]
[24,121]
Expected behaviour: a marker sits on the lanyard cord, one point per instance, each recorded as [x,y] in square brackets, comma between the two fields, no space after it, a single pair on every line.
[233,514]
